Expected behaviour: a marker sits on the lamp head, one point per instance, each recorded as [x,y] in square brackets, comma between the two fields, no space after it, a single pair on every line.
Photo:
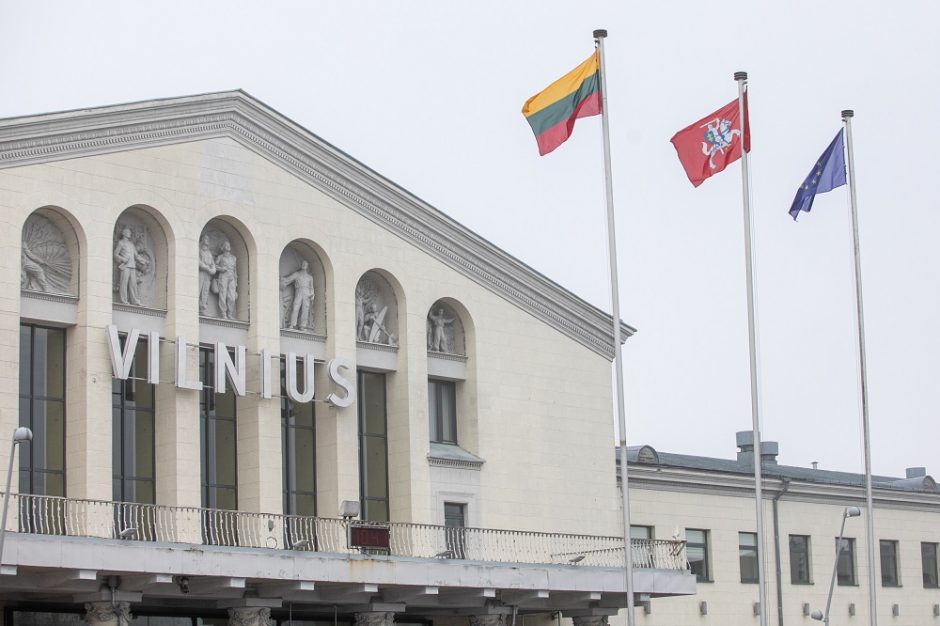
[349,509]
[22,434]
[852,511]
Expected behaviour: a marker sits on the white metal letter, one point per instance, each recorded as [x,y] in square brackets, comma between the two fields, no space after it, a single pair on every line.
[153,358]
[291,375]
[121,361]
[226,368]
[342,381]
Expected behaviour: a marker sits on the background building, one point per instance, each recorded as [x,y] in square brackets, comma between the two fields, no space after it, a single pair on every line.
[221,330]
[709,502]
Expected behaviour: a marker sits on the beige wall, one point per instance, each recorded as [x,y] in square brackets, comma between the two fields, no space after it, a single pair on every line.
[541,417]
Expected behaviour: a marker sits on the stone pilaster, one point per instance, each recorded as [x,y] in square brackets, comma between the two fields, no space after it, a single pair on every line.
[250,616]
[488,620]
[107,614]
[375,618]
[590,620]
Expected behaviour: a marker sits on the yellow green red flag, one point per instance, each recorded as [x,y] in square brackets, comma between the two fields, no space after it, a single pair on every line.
[552,112]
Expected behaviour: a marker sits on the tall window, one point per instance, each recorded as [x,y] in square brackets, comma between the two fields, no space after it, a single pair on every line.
[747,557]
[799,560]
[132,439]
[42,409]
[442,410]
[928,564]
[889,563]
[218,437]
[696,549]
[455,520]
[373,447]
[298,450]
[846,567]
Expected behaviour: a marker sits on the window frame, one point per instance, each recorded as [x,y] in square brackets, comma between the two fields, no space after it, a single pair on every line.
[706,575]
[923,565]
[849,551]
[364,438]
[896,565]
[437,387]
[207,412]
[808,555]
[289,429]
[742,557]
[121,392]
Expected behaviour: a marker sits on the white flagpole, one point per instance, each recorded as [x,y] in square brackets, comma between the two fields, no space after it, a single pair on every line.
[741,78]
[847,116]
[599,36]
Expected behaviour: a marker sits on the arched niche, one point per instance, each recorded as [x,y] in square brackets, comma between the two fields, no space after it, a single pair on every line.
[376,310]
[223,272]
[139,260]
[302,282]
[445,330]
[49,257]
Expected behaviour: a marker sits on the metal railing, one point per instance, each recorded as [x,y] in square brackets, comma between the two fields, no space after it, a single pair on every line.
[52,515]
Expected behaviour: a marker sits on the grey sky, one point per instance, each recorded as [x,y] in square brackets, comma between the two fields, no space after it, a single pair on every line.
[429,93]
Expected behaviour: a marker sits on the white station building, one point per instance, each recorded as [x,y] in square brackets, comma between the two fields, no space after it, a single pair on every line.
[266,384]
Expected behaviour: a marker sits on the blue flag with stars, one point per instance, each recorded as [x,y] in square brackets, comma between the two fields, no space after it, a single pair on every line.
[826,175]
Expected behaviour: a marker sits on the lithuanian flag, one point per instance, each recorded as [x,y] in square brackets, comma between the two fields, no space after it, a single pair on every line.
[551,113]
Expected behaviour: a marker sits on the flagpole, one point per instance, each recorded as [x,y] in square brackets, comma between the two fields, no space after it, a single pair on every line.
[847,116]
[741,78]
[599,36]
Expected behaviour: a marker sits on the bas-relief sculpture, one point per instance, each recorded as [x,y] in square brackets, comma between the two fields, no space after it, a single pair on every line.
[218,276]
[134,266]
[297,294]
[371,311]
[45,262]
[440,332]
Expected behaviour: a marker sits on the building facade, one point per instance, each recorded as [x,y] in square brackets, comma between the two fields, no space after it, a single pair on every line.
[709,502]
[265,383]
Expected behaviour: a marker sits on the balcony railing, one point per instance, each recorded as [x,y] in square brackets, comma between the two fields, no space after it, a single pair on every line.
[51,515]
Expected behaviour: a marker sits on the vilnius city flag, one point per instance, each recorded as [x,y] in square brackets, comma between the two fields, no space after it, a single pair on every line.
[711,144]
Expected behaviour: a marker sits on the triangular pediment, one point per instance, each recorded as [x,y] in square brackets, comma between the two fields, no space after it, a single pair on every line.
[237,115]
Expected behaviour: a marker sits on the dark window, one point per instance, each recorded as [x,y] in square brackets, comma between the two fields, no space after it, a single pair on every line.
[641,532]
[696,549]
[889,563]
[298,450]
[42,409]
[442,410]
[217,430]
[846,567]
[747,556]
[132,436]
[928,562]
[373,447]
[799,560]
[455,520]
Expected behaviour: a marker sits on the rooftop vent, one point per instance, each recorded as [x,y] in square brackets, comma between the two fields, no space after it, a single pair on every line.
[915,472]
[768,449]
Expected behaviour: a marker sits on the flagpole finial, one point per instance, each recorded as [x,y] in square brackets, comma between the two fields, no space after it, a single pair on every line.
[740,75]
[848,113]
[600,33]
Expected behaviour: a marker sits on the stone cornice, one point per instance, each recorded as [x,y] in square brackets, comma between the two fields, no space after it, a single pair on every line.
[236,115]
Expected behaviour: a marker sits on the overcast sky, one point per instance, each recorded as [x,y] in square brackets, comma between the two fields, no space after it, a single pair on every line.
[429,95]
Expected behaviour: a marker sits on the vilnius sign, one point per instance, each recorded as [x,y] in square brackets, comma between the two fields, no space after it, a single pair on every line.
[230,369]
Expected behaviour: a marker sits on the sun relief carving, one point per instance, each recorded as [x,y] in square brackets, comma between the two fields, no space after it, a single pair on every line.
[45,262]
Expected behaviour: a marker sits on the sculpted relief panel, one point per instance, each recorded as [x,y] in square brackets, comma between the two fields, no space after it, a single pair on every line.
[445,330]
[376,311]
[134,263]
[303,286]
[45,259]
[222,259]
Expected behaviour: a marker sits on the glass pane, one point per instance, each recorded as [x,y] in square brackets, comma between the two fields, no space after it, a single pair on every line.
[140,491]
[747,555]
[641,532]
[304,456]
[433,412]
[846,567]
[376,468]
[928,556]
[48,483]
[376,510]
[889,563]
[454,514]
[449,412]
[49,362]
[799,559]
[225,472]
[373,402]
[226,499]
[225,404]
[695,536]
[49,450]
[140,461]
[303,504]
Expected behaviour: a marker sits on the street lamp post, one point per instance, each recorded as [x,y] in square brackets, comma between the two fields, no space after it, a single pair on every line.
[20,435]
[851,511]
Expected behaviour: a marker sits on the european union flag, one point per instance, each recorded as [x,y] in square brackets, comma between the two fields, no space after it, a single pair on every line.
[826,175]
